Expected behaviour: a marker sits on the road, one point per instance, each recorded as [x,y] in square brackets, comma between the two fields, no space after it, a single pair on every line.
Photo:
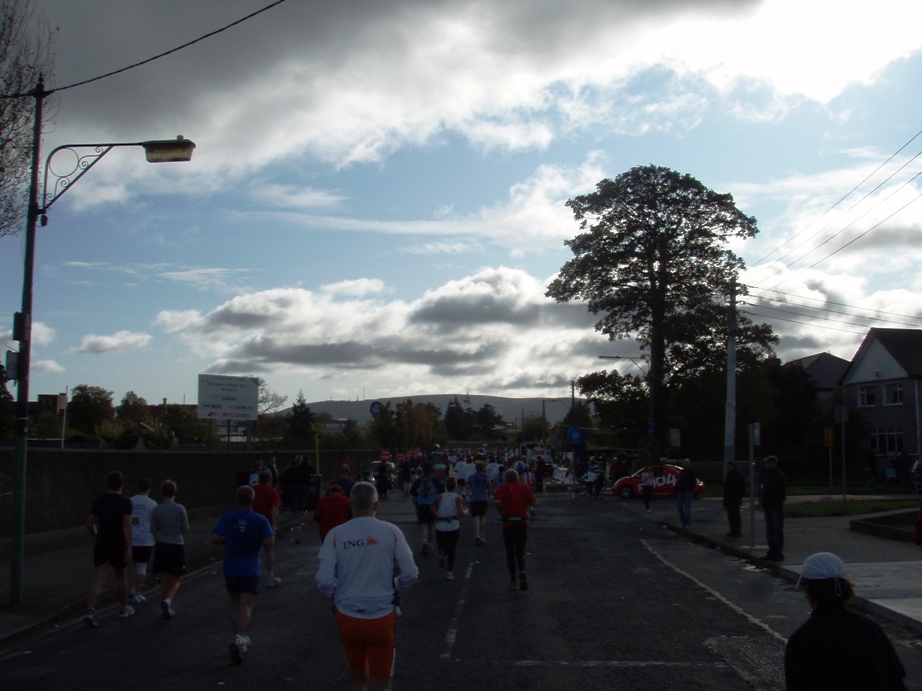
[616,602]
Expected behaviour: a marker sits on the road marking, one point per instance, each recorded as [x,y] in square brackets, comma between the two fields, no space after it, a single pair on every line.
[758,622]
[456,620]
[616,663]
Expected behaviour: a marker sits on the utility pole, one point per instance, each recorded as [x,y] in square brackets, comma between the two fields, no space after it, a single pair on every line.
[730,418]
[572,394]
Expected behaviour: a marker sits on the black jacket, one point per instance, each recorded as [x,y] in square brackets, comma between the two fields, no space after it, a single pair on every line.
[734,489]
[774,489]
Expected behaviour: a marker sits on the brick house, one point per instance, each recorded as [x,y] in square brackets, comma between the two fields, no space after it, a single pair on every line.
[882,382]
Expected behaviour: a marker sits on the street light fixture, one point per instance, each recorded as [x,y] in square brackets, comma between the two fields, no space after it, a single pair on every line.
[86,156]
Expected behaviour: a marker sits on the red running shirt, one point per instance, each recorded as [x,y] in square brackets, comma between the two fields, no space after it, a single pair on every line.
[515,499]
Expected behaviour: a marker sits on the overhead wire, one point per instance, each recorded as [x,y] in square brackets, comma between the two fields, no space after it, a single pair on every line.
[843,198]
[155,57]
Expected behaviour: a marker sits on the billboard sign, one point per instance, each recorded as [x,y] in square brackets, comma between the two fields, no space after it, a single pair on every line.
[228,398]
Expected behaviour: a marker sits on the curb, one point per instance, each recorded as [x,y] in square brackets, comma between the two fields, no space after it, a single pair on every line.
[867,605]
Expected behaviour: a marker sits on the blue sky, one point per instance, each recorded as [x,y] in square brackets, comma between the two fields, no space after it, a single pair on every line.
[376,202]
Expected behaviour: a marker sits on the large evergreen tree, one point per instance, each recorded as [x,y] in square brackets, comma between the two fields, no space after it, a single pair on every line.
[653,261]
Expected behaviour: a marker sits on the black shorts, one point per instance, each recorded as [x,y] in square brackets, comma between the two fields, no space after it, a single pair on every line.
[141,554]
[479,508]
[424,514]
[242,584]
[107,553]
[170,558]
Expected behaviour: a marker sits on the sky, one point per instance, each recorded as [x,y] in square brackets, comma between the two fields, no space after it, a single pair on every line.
[376,202]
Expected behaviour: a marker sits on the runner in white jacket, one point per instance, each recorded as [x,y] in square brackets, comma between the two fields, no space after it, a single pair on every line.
[357,570]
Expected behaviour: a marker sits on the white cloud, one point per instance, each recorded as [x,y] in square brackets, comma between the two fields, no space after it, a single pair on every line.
[356,287]
[204,278]
[117,342]
[46,366]
[351,83]
[42,334]
[489,329]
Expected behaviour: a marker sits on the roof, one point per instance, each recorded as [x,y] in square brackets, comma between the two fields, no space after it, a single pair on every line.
[904,345]
[825,369]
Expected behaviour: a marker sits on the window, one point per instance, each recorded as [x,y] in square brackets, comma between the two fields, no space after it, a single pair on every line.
[887,440]
[893,394]
[867,396]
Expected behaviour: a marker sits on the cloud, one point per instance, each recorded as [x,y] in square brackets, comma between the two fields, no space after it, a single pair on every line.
[356,287]
[42,334]
[351,83]
[204,278]
[485,329]
[46,366]
[117,342]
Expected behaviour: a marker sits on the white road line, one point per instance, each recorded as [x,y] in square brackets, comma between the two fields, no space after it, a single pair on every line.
[758,622]
[456,620]
[615,663]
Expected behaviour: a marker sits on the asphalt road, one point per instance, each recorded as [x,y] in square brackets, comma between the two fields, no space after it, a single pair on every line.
[615,602]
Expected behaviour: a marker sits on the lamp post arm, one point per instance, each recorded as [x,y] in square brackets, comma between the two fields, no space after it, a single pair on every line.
[82,162]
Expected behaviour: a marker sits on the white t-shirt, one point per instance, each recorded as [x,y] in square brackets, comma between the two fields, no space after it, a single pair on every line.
[142,507]
[358,562]
[447,517]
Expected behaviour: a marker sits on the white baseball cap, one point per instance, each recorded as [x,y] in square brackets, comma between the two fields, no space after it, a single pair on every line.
[820,566]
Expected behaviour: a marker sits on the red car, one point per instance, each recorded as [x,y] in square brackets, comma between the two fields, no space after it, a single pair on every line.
[664,483]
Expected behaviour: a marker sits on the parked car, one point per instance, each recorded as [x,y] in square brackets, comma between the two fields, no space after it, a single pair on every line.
[664,478]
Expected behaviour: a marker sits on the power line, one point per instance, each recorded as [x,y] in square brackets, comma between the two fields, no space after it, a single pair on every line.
[847,194]
[838,321]
[156,57]
[794,321]
[838,304]
[853,240]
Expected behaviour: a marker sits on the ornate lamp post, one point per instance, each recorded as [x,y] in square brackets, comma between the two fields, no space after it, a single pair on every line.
[86,156]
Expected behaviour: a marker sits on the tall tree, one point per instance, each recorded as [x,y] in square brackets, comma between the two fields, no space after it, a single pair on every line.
[653,261]
[269,401]
[25,53]
[133,409]
[298,433]
[89,408]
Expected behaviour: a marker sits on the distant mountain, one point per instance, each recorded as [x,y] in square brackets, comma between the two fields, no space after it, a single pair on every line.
[510,408]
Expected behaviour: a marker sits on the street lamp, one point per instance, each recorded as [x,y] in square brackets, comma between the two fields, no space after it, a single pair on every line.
[86,156]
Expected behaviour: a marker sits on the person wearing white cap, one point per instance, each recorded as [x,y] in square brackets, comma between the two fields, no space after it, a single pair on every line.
[838,648]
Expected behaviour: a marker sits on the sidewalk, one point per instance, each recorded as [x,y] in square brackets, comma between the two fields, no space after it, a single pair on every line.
[887,573]
[56,581]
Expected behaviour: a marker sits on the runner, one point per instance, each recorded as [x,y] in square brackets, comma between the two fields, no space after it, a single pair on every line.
[481,488]
[168,522]
[513,500]
[357,569]
[333,510]
[110,523]
[266,503]
[424,491]
[242,532]
[142,539]
[447,508]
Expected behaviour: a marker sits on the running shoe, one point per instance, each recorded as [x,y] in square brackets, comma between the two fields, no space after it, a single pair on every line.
[449,576]
[523,583]
[137,598]
[274,581]
[90,619]
[168,612]
[126,611]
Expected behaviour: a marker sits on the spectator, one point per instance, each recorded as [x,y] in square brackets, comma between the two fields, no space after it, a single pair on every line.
[838,648]
[774,494]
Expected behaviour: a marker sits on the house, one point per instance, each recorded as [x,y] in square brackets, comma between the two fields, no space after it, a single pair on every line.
[882,382]
[825,370]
